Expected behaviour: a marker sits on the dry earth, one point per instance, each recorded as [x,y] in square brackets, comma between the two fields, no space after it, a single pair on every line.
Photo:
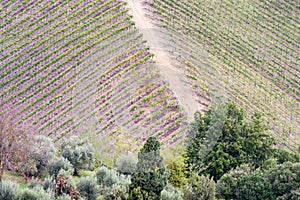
[169,72]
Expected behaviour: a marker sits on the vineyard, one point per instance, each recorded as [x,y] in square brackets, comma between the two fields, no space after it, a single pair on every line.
[71,67]
[250,47]
[82,66]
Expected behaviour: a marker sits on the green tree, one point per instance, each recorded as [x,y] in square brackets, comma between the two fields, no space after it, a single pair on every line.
[237,141]
[285,180]
[87,187]
[150,178]
[126,164]
[200,188]
[176,173]
[226,186]
[282,156]
[41,150]
[79,152]
[281,182]
[254,187]
[57,164]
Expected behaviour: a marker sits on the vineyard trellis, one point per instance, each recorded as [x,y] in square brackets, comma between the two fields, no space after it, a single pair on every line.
[255,46]
[72,66]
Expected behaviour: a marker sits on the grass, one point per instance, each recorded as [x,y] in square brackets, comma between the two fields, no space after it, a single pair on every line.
[17,178]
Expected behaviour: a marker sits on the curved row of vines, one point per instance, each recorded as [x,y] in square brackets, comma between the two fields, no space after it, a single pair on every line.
[73,66]
[253,44]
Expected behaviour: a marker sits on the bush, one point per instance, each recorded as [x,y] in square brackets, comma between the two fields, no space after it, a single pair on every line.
[127,164]
[117,192]
[36,193]
[64,197]
[9,190]
[254,187]
[226,186]
[29,168]
[40,152]
[171,193]
[106,177]
[176,169]
[49,184]
[87,187]
[64,186]
[124,180]
[29,195]
[200,187]
[57,164]
[35,184]
[79,152]
[285,180]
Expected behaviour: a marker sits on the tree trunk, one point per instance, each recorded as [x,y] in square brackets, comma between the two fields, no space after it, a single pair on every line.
[76,172]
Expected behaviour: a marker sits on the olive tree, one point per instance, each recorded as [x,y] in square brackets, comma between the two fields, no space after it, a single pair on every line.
[79,152]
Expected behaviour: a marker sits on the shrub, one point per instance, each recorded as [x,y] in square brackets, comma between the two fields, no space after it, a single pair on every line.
[226,186]
[200,187]
[124,180]
[87,187]
[34,184]
[285,180]
[29,168]
[254,187]
[79,152]
[49,184]
[64,186]
[36,194]
[126,164]
[106,177]
[117,192]
[64,197]
[9,190]
[57,164]
[28,194]
[171,193]
[40,152]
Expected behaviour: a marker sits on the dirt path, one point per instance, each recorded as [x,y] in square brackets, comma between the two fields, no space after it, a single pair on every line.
[171,74]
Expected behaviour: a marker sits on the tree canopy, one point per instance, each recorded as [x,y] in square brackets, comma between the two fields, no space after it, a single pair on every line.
[239,140]
[79,152]
[150,178]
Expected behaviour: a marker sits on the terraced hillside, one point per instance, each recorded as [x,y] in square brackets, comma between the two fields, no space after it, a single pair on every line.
[254,45]
[76,66]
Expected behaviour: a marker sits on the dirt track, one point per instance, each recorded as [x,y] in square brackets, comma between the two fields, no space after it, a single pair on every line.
[170,73]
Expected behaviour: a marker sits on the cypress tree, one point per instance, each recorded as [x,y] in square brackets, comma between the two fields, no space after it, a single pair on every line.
[150,178]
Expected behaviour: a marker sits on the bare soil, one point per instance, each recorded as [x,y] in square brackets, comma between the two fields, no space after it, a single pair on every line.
[173,75]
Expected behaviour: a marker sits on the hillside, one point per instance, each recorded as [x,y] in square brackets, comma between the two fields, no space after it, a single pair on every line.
[78,67]
[134,69]
[249,49]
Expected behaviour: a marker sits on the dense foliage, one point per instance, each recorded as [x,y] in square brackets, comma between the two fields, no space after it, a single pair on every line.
[280,182]
[200,187]
[231,157]
[127,164]
[57,164]
[150,178]
[78,152]
[240,141]
[87,187]
[40,152]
